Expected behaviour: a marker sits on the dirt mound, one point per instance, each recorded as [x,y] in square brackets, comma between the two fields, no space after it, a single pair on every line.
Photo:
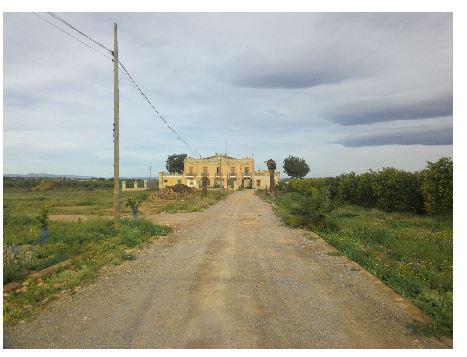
[173,192]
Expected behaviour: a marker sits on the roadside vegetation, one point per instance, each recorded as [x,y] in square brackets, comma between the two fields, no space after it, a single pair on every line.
[90,245]
[69,223]
[395,224]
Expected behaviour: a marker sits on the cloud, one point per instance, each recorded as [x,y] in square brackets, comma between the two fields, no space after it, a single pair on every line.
[294,79]
[12,99]
[261,80]
[390,108]
[418,135]
[302,69]
[275,112]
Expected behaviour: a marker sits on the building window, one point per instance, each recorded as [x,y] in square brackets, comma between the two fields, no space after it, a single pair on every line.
[258,183]
[218,170]
[179,182]
[165,181]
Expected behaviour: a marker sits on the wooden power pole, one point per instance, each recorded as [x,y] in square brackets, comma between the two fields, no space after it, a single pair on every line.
[116,133]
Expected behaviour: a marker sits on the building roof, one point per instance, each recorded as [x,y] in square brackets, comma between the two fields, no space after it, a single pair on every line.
[218,155]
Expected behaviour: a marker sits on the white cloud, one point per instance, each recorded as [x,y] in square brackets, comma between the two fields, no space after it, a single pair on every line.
[266,80]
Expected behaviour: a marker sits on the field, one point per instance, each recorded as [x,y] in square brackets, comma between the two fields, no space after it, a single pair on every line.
[81,230]
[411,253]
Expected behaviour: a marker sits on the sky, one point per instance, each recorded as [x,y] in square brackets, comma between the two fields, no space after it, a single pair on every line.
[345,91]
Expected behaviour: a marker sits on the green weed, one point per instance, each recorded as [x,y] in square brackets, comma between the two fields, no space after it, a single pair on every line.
[411,253]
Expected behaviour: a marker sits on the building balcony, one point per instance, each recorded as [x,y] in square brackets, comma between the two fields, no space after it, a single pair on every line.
[191,174]
[232,174]
[204,174]
[247,174]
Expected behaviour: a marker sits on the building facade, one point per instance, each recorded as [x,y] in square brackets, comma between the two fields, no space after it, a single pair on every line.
[221,171]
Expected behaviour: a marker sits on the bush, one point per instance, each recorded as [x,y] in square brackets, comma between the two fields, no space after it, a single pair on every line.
[437,187]
[133,233]
[389,189]
[44,186]
[281,186]
[129,236]
[397,190]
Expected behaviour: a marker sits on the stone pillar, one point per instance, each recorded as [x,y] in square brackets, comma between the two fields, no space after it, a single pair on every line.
[204,184]
[272,183]
[145,183]
[123,185]
[161,179]
[135,184]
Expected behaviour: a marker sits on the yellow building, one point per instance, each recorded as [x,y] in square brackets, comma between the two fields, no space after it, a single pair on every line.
[221,170]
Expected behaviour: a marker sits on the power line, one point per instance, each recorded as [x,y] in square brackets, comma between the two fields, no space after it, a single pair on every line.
[79,31]
[135,85]
[73,37]
[125,72]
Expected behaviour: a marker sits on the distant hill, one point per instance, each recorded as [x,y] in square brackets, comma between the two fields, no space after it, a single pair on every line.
[75,177]
[47,176]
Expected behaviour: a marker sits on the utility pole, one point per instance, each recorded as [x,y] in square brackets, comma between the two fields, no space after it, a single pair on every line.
[116,133]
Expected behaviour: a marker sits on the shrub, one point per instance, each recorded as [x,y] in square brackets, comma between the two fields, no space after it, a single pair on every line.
[44,186]
[364,194]
[397,190]
[281,186]
[134,203]
[437,187]
[129,236]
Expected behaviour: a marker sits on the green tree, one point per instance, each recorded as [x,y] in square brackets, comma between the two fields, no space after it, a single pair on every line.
[397,190]
[436,185]
[296,167]
[174,162]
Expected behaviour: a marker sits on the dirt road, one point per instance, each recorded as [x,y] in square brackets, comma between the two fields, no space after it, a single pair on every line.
[230,276]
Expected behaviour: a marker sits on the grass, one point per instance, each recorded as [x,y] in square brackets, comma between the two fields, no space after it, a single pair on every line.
[91,243]
[63,201]
[20,208]
[410,253]
[94,243]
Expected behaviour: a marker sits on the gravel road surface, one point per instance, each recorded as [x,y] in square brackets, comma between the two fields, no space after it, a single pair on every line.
[231,276]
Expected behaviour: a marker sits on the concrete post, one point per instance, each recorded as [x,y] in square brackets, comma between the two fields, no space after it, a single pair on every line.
[123,185]
[145,183]
[135,184]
